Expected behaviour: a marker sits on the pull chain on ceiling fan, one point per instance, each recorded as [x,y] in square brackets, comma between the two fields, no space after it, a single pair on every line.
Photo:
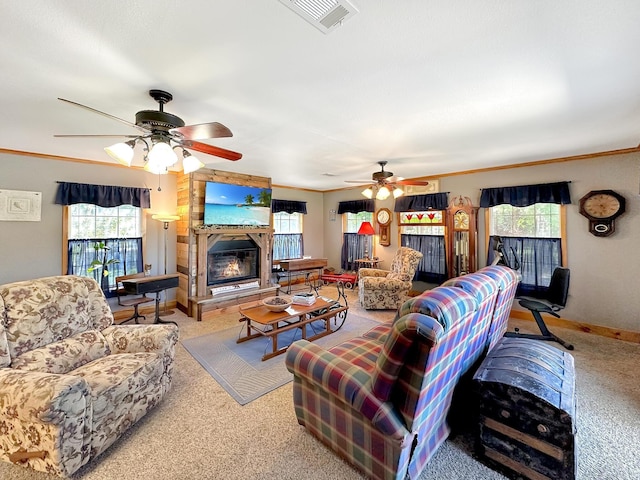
[161,134]
[385,184]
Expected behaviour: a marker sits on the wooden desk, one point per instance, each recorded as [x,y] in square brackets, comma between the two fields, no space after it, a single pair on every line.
[154,284]
[308,265]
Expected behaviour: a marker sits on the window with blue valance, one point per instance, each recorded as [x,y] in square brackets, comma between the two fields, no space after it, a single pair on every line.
[525,195]
[106,196]
[288,206]
[420,203]
[356,206]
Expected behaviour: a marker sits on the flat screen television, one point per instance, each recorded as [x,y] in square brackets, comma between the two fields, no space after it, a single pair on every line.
[227,204]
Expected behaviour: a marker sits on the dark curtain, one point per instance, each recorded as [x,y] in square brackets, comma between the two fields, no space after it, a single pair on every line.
[128,252]
[102,195]
[288,206]
[420,203]
[525,195]
[538,258]
[433,265]
[287,245]
[356,206]
[353,248]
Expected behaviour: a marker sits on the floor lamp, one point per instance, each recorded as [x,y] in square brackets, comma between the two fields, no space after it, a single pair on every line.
[166,219]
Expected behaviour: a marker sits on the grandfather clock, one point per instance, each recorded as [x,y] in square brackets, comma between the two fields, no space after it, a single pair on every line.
[462,232]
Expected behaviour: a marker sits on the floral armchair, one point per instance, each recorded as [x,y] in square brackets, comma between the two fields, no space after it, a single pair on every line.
[388,289]
[72,382]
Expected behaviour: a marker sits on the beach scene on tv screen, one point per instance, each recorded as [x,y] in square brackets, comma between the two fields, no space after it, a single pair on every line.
[227,204]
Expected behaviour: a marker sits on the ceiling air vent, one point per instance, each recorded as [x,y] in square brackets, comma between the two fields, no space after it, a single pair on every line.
[325,15]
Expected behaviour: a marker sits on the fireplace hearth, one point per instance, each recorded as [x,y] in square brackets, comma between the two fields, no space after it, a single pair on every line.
[233,260]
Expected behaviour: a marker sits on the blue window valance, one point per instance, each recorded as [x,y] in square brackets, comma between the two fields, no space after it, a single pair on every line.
[525,195]
[356,206]
[420,203]
[102,195]
[288,206]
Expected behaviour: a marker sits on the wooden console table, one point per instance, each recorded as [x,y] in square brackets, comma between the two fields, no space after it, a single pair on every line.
[302,265]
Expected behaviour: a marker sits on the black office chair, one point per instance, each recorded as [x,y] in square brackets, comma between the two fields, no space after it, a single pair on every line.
[555,300]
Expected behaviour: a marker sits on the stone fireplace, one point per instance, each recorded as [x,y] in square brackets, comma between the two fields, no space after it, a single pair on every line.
[231,260]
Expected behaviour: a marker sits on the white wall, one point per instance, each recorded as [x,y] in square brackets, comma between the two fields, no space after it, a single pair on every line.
[312,228]
[604,271]
[34,249]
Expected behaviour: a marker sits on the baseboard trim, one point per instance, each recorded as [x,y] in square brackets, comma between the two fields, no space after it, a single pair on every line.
[626,335]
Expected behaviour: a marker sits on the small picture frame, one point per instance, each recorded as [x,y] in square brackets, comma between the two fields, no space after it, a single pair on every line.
[20,206]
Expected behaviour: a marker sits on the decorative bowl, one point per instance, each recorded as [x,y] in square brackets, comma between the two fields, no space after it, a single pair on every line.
[277,304]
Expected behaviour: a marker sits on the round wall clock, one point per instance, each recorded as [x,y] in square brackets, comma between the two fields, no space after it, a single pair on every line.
[602,207]
[383,217]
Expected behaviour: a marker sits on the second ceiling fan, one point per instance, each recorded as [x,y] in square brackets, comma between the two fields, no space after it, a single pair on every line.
[385,184]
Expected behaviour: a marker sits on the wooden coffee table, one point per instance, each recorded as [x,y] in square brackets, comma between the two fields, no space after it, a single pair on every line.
[262,322]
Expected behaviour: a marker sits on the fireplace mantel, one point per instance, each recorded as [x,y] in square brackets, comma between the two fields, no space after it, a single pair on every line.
[208,236]
[194,236]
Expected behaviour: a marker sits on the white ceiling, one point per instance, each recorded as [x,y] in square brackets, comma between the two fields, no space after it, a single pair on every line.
[432,86]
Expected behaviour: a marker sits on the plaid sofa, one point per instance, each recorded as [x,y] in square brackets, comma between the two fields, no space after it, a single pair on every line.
[71,382]
[381,400]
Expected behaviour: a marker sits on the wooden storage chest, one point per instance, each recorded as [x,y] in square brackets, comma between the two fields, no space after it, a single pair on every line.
[527,407]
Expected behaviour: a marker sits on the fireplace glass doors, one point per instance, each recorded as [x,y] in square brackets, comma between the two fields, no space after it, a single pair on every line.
[230,261]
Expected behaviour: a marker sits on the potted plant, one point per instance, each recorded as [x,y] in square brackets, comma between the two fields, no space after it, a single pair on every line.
[101,262]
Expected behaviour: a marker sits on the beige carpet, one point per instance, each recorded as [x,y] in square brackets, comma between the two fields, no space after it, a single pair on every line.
[200,432]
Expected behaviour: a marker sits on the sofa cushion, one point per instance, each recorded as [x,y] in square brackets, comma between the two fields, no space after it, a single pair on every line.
[39,312]
[65,355]
[359,351]
[123,388]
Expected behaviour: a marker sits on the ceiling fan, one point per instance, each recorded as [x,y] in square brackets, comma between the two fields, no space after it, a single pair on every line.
[160,133]
[385,183]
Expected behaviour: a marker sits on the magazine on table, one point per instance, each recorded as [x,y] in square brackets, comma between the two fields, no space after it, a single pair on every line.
[304,299]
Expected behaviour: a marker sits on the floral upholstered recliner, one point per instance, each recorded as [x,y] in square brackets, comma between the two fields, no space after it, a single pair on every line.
[71,382]
[388,289]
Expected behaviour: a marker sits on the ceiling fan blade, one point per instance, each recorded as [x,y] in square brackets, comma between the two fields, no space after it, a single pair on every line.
[126,122]
[97,136]
[358,181]
[211,150]
[412,182]
[202,131]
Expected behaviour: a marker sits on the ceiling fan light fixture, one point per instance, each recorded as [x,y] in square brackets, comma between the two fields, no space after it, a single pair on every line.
[155,168]
[162,154]
[368,192]
[383,193]
[122,152]
[397,192]
[190,163]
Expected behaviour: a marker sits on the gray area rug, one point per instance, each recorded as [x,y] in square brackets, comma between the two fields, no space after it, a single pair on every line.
[238,367]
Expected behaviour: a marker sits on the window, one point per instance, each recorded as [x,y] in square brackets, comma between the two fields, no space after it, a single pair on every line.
[531,241]
[424,231]
[352,221]
[355,246]
[287,238]
[540,220]
[118,229]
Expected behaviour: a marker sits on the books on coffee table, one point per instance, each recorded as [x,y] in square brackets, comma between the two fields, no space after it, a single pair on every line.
[304,299]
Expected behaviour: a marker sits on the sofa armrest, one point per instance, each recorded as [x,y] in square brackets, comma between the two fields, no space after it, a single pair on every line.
[141,338]
[38,397]
[377,283]
[372,272]
[349,383]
